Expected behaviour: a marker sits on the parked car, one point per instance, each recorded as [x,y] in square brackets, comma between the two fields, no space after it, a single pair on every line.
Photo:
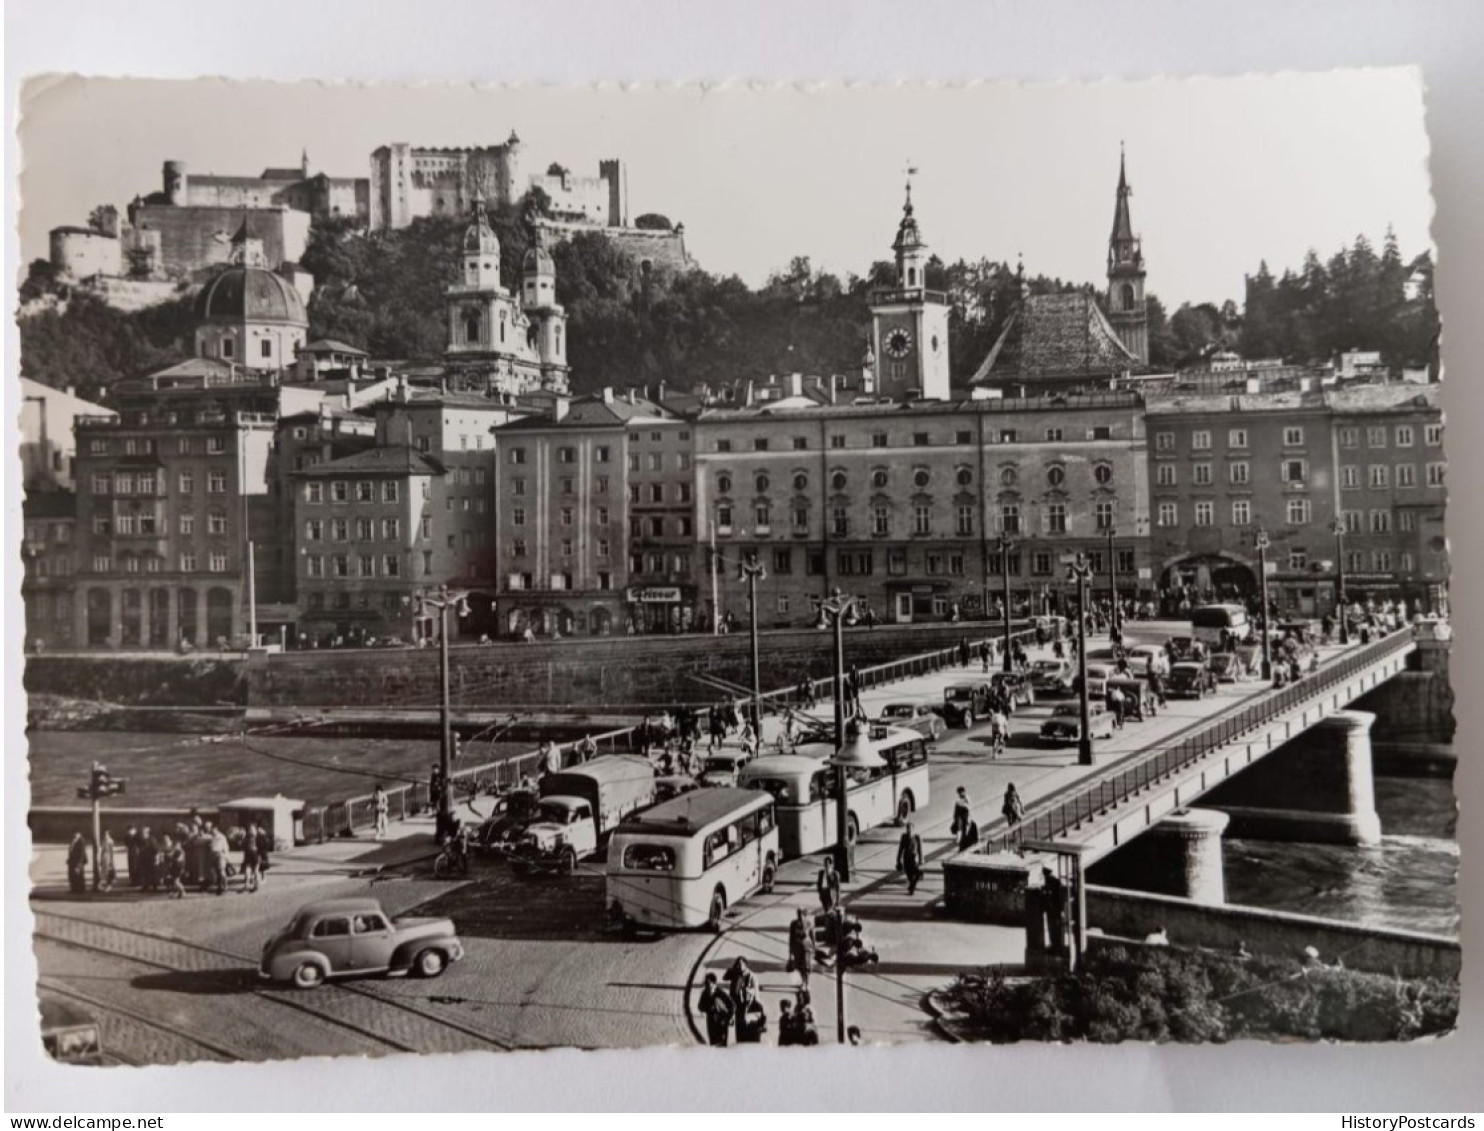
[722,767]
[1181,646]
[1052,677]
[965,702]
[512,813]
[336,937]
[672,786]
[1097,681]
[1142,658]
[1138,700]
[1022,694]
[1065,725]
[916,716]
[1228,667]
[1190,680]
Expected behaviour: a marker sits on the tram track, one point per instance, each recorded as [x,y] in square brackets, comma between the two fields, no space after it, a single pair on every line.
[384,1019]
[59,987]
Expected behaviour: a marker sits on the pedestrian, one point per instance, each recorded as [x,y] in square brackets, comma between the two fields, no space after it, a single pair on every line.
[250,858]
[380,806]
[986,652]
[999,730]
[742,985]
[968,836]
[961,817]
[715,1006]
[787,1024]
[172,868]
[77,864]
[1012,807]
[1059,650]
[1116,705]
[807,1030]
[217,849]
[131,856]
[800,947]
[910,858]
[963,653]
[149,855]
[587,750]
[104,869]
[827,883]
[265,848]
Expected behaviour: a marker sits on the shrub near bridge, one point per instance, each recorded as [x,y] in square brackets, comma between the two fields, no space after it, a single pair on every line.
[1169,994]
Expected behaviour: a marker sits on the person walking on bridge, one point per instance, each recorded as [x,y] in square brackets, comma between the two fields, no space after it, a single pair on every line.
[964,654]
[827,883]
[1012,807]
[961,815]
[910,857]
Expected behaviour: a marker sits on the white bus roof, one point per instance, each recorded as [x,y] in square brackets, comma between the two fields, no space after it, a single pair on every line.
[691,812]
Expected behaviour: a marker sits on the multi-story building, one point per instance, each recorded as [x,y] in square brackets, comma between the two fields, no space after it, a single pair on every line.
[1221,469]
[566,531]
[47,557]
[904,505]
[366,545]
[48,441]
[1391,486]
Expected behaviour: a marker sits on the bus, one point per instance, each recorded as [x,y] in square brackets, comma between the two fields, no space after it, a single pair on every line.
[804,789]
[1208,622]
[684,862]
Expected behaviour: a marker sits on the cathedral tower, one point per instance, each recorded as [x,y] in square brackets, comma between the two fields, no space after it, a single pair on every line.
[909,324]
[1127,309]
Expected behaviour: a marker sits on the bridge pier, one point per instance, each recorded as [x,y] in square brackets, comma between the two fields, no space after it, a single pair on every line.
[1188,855]
[1318,789]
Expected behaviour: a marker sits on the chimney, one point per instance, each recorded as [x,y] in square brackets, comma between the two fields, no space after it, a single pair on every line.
[607,394]
[748,400]
[796,384]
[402,392]
[560,406]
[629,396]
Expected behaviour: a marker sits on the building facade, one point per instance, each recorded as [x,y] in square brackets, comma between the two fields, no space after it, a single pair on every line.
[48,558]
[903,506]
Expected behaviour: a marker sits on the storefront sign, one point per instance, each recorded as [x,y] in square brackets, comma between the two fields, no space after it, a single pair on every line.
[655,595]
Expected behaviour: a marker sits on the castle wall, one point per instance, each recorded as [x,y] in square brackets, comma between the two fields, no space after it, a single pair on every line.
[194,236]
[82,254]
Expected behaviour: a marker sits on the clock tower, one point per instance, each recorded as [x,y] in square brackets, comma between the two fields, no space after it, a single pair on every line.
[1127,311]
[909,323]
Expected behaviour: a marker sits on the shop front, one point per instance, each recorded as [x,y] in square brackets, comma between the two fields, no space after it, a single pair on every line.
[660,609]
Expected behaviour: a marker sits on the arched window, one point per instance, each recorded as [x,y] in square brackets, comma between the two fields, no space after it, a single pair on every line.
[761,483]
[471,326]
[839,480]
[921,477]
[912,276]
[1103,473]
[1056,476]
[1008,477]
[879,478]
[965,477]
[1127,302]
[724,483]
[801,482]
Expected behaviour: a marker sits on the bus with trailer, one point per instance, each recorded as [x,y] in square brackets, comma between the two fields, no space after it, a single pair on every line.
[684,862]
[804,788]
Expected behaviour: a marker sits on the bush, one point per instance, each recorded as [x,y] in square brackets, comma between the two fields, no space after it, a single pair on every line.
[1170,994]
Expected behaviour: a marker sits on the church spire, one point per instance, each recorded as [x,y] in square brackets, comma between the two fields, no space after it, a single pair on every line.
[911,251]
[1123,228]
[1127,310]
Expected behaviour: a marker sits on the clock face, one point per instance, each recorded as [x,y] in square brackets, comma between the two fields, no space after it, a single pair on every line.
[898,342]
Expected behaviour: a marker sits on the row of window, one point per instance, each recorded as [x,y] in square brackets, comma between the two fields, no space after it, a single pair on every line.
[950,563]
[1405,436]
[922,477]
[146,446]
[1382,475]
[1378,521]
[364,490]
[1054,435]
[216,562]
[150,485]
[655,492]
[1238,439]
[366,565]
[1055,519]
[344,599]
[365,529]
[1297,512]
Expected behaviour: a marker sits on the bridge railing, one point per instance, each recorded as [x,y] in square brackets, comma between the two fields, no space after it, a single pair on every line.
[1060,814]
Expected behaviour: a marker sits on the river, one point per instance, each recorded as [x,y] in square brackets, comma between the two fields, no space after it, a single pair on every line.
[1409,880]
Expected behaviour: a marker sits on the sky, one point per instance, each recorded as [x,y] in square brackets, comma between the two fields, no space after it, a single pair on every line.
[1225,172]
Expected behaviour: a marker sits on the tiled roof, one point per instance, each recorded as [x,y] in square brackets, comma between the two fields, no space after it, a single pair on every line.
[595,412]
[196,367]
[1056,336]
[397,459]
[332,345]
[1180,404]
[1374,398]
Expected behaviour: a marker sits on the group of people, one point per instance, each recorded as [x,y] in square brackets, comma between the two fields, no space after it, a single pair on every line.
[196,854]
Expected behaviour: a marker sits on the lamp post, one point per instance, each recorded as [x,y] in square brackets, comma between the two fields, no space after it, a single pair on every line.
[1114,622]
[859,755]
[839,610]
[1081,573]
[751,571]
[1338,530]
[1261,543]
[457,600]
[1004,546]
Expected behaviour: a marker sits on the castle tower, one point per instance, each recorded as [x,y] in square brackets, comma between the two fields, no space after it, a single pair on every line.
[481,251]
[509,176]
[616,173]
[1127,310]
[909,323]
[177,183]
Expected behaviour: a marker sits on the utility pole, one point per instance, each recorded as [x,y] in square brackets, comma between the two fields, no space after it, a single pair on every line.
[1081,571]
[458,601]
[1339,532]
[751,571]
[1004,546]
[101,784]
[252,595]
[1261,542]
[1115,622]
[838,610]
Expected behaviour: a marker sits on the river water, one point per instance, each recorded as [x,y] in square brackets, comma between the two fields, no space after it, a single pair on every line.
[1409,880]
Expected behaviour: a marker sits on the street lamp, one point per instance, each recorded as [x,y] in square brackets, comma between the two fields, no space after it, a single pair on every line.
[1082,572]
[1261,543]
[458,601]
[751,571]
[859,755]
[1338,529]
[1114,623]
[1004,546]
[839,610]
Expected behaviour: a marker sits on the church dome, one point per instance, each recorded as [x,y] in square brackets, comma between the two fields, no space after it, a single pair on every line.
[250,294]
[538,261]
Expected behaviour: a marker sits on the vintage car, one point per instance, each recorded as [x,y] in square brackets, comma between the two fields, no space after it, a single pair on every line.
[1228,667]
[1191,680]
[722,767]
[672,786]
[338,937]
[913,715]
[1018,684]
[965,702]
[1065,724]
[1144,658]
[512,813]
[1052,677]
[1138,700]
[1098,676]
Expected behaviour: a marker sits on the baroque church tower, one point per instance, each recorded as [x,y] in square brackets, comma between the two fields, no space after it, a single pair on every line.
[1127,309]
[909,323]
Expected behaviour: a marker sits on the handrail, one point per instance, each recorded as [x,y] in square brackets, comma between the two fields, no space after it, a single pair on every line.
[1057,816]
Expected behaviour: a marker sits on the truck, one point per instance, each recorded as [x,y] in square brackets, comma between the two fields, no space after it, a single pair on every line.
[579,808]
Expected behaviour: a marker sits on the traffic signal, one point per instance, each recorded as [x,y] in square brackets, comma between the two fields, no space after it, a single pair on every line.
[102,784]
[458,748]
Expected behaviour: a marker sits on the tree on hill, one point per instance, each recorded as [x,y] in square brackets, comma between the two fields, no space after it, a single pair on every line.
[654,222]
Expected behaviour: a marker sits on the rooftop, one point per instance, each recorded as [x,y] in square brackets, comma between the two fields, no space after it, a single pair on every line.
[691,812]
[396,459]
[1056,336]
[597,412]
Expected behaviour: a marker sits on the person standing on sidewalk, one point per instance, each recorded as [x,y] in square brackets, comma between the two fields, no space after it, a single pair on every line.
[1013,808]
[968,837]
[77,865]
[986,653]
[961,817]
[715,1006]
[909,857]
[828,885]
[216,850]
[964,655]
[801,947]
[250,859]
[172,868]
[104,870]
[380,805]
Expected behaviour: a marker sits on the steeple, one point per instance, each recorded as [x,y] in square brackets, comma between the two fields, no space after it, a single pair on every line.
[1127,310]
[911,251]
[481,251]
